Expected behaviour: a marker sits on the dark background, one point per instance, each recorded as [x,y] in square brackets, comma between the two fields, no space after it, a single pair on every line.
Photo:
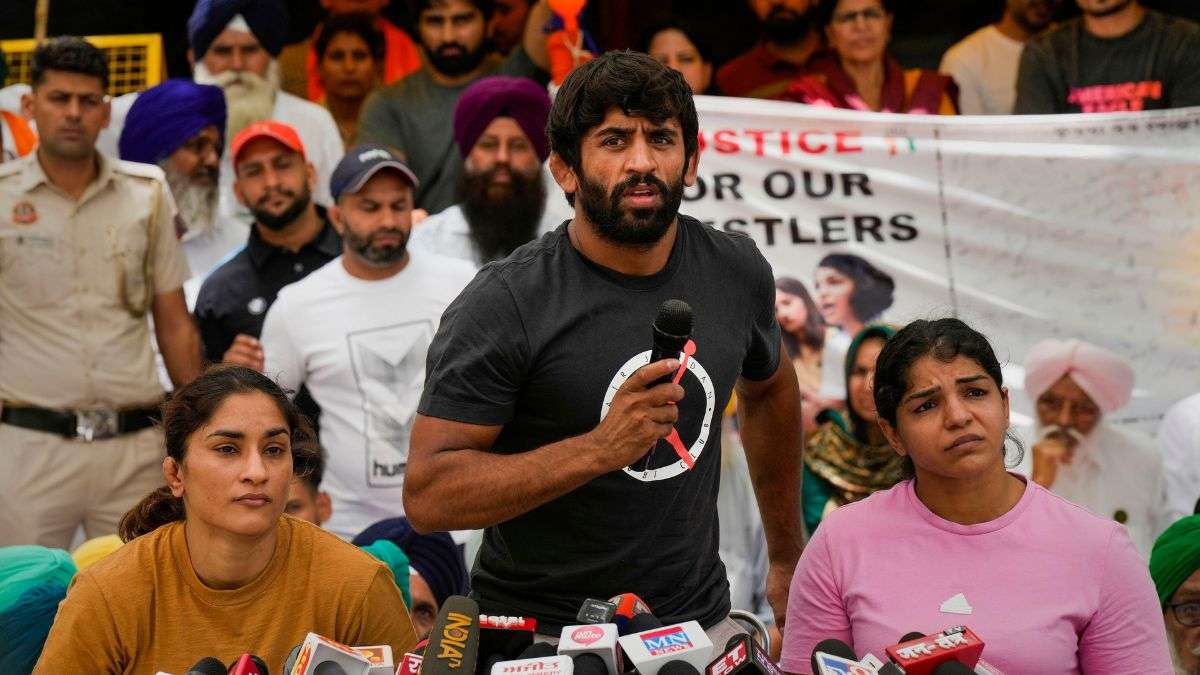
[923,29]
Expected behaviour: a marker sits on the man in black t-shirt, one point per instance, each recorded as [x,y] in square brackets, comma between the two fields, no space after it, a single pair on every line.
[1118,56]
[538,419]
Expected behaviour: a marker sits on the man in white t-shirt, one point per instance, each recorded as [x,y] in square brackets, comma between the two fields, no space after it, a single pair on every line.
[235,44]
[357,332]
[984,64]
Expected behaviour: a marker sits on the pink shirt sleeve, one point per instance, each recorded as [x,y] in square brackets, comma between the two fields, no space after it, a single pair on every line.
[815,611]
[1126,634]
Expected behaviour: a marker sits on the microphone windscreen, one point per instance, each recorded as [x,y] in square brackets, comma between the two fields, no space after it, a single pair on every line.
[674,318]
[208,666]
[328,668]
[453,647]
[833,647]
[736,639]
[678,668]
[589,664]
[537,650]
[952,668]
[911,636]
[643,622]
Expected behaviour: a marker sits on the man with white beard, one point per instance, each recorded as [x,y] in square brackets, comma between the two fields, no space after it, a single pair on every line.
[235,45]
[1113,472]
[180,126]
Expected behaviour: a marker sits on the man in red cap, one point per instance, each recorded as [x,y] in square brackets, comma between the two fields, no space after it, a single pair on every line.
[291,237]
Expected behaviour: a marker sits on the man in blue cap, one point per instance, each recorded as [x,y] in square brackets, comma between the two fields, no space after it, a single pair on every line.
[180,126]
[356,332]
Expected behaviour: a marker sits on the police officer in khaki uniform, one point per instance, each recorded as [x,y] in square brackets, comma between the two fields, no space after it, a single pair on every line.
[88,249]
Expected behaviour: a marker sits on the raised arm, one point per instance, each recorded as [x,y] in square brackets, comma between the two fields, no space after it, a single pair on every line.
[454,481]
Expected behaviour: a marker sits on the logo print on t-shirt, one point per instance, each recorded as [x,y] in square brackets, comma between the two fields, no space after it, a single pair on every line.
[389,369]
[648,471]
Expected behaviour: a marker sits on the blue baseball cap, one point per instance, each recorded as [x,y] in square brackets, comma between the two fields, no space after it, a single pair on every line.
[362,162]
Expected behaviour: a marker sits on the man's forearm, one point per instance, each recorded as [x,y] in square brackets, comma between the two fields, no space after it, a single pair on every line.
[771,436]
[180,348]
[471,489]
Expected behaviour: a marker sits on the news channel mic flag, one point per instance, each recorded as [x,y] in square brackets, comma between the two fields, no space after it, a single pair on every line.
[595,471]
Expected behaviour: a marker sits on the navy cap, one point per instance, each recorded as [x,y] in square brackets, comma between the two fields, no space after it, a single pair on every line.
[362,162]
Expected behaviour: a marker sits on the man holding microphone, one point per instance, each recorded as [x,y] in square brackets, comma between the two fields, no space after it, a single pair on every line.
[594,471]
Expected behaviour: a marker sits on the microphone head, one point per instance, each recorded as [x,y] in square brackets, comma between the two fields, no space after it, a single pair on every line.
[208,666]
[833,648]
[453,647]
[642,622]
[736,639]
[589,664]
[678,668]
[952,668]
[537,650]
[908,637]
[328,668]
[674,318]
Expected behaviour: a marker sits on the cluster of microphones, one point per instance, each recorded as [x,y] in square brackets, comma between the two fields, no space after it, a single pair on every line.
[954,651]
[619,636]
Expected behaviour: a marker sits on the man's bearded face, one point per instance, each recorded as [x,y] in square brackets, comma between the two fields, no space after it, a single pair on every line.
[249,95]
[503,207]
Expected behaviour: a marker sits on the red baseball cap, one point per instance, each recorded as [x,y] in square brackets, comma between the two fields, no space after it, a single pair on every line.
[277,131]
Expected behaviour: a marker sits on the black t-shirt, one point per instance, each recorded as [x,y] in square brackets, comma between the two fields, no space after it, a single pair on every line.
[1152,67]
[535,343]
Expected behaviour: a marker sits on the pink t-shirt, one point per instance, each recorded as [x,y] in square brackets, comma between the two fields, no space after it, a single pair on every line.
[1050,588]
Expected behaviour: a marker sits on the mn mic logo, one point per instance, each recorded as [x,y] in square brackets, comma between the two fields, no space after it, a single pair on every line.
[666,641]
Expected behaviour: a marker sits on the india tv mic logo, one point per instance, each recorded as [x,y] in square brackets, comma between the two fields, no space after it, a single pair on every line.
[666,640]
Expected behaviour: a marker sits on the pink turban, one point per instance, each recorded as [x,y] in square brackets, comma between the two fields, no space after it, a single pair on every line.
[1105,377]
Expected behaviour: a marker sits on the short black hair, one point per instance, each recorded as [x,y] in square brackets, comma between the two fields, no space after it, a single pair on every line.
[824,10]
[68,54]
[485,7]
[634,82]
[355,23]
[943,339]
[683,26]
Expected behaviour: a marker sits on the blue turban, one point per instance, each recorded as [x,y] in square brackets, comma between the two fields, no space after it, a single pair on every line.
[434,556]
[167,116]
[268,19]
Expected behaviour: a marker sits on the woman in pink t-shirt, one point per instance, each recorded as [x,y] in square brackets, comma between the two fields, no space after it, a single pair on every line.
[1050,588]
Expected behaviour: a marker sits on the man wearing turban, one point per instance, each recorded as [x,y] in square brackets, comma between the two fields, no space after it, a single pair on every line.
[1114,472]
[1175,569]
[180,126]
[435,563]
[234,44]
[500,132]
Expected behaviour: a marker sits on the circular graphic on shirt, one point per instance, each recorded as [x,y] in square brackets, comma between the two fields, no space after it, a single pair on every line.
[257,306]
[682,456]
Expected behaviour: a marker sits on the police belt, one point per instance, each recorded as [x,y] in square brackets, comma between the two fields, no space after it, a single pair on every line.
[88,425]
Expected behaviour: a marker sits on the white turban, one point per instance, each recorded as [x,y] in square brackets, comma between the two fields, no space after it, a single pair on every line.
[1104,376]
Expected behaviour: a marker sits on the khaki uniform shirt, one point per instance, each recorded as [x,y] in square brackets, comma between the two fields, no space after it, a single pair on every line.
[77,279]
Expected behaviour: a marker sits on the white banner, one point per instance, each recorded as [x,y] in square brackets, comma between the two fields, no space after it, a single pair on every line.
[1081,226]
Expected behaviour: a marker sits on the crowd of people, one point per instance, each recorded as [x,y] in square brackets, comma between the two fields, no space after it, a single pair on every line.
[383,280]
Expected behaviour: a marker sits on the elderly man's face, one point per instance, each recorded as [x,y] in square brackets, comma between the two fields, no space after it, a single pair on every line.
[199,157]
[238,51]
[1185,638]
[1067,405]
[424,606]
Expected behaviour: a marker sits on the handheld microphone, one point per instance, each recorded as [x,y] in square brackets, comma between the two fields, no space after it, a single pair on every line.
[379,657]
[542,665]
[537,650]
[952,668]
[678,668]
[628,606]
[640,623]
[672,329]
[454,641]
[329,668]
[503,636]
[830,655]
[311,655]
[410,664]
[596,611]
[248,664]
[921,655]
[597,640]
[743,656]
[649,651]
[208,666]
